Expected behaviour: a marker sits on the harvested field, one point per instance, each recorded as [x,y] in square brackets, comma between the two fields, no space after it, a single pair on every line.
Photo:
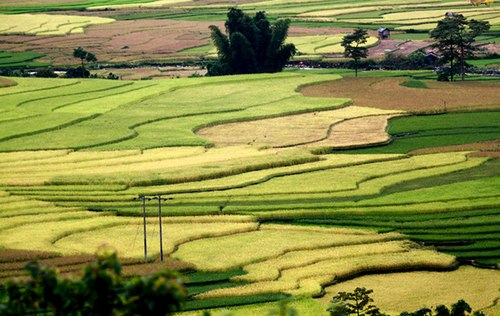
[5,82]
[152,72]
[426,289]
[372,92]
[363,131]
[310,129]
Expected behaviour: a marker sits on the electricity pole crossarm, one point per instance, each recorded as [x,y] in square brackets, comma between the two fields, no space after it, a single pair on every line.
[143,199]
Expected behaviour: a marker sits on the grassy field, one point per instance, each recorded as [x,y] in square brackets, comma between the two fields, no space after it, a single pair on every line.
[25,59]
[261,208]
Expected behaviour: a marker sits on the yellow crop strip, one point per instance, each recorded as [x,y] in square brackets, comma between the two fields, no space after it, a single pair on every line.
[127,238]
[44,24]
[308,280]
[219,254]
[271,269]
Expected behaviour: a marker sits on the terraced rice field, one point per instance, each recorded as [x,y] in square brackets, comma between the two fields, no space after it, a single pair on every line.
[43,24]
[265,205]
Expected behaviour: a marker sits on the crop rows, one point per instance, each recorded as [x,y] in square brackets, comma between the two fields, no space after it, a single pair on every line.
[80,118]
[297,264]
[42,24]
[24,59]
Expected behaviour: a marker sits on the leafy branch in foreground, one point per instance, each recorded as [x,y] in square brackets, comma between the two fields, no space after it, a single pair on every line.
[100,291]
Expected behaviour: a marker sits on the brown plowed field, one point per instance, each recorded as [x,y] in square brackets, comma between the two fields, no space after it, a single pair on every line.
[4,82]
[129,41]
[118,42]
[387,93]
[12,263]
[395,46]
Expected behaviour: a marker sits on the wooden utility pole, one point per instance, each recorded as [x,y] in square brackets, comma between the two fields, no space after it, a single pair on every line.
[159,198]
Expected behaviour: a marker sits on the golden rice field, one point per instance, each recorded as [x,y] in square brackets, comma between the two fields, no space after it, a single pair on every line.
[433,288]
[311,129]
[44,24]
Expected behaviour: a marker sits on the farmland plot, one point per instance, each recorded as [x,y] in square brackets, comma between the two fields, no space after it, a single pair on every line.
[260,218]
[42,24]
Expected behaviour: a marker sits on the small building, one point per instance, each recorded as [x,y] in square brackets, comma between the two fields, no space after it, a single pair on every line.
[384,33]
[431,57]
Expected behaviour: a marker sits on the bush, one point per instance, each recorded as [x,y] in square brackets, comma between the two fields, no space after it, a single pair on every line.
[100,291]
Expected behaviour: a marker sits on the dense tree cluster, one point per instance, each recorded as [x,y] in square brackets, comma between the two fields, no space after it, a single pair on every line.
[250,45]
[101,291]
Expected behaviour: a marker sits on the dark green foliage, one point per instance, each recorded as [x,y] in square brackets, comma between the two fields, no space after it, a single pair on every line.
[84,56]
[354,303]
[231,301]
[45,73]
[455,36]
[250,45]
[352,45]
[416,60]
[337,308]
[100,291]
[442,310]
[77,73]
[460,308]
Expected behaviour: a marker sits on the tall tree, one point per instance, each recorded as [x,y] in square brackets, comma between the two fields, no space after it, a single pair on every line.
[354,46]
[250,44]
[455,37]
[354,303]
[84,56]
